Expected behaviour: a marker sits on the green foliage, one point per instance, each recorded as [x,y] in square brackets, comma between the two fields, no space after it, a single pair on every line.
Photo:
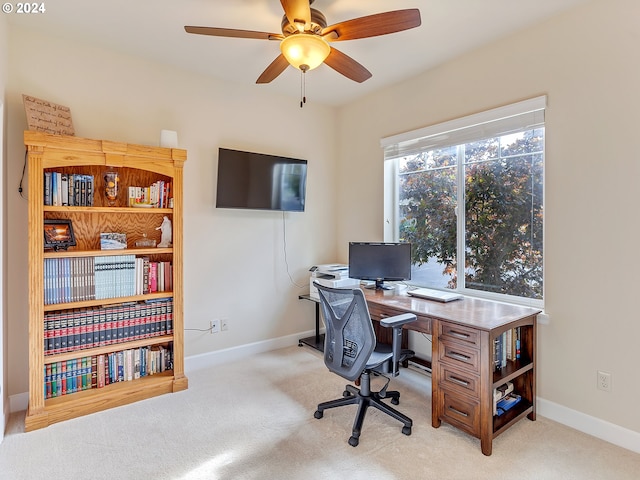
[503,212]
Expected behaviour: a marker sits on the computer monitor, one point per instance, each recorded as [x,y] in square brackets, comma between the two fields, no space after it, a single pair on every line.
[380,262]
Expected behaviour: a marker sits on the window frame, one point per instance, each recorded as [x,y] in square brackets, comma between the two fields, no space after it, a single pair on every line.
[525,115]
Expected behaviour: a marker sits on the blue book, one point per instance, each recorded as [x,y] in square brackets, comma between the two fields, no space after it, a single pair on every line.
[507,403]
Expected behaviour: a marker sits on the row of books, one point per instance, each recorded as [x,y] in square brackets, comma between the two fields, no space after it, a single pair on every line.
[76,279]
[506,347]
[62,189]
[82,328]
[98,371]
[158,195]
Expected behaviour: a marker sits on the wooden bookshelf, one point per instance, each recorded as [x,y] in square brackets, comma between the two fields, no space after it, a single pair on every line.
[136,166]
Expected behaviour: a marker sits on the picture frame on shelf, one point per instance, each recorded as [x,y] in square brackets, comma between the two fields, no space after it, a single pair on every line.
[58,234]
[113,241]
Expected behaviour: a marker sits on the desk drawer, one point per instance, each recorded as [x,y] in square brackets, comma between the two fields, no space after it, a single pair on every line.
[459,380]
[422,323]
[459,356]
[460,334]
[461,412]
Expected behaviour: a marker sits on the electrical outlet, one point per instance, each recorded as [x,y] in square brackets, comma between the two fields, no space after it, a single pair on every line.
[224,324]
[604,381]
[215,326]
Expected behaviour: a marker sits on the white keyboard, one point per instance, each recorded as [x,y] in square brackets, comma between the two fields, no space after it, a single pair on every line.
[437,295]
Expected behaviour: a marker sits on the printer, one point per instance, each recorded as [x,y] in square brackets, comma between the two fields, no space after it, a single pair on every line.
[332,275]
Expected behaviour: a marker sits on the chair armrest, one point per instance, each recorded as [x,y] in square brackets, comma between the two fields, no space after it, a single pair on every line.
[398,320]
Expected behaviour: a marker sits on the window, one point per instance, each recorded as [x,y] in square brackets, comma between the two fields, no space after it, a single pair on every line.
[468,195]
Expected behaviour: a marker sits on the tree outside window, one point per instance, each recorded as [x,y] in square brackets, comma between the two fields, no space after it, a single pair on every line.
[496,186]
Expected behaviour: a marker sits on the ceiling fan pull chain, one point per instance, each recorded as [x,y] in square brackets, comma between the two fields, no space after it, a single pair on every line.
[303,85]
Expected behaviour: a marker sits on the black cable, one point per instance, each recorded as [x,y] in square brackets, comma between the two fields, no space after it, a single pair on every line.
[24,169]
[284,249]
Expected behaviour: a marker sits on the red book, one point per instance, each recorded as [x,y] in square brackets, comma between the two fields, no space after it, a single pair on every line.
[153,277]
[100,371]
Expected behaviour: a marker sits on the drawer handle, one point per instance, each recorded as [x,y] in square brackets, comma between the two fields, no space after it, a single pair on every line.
[459,381]
[459,356]
[455,410]
[461,335]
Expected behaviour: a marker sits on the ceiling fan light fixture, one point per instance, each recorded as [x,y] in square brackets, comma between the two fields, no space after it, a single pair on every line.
[305,51]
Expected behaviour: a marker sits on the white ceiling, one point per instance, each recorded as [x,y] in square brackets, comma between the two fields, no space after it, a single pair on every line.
[154,29]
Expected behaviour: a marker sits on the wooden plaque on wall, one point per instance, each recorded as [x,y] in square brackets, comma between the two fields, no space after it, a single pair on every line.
[47,117]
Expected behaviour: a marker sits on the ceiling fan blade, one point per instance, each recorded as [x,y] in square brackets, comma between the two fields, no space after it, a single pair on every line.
[273,70]
[347,66]
[297,11]
[232,32]
[373,25]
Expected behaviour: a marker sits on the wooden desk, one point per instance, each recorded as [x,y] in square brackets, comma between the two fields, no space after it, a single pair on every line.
[464,375]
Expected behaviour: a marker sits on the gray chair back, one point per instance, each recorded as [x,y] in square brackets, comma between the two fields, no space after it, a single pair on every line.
[349,338]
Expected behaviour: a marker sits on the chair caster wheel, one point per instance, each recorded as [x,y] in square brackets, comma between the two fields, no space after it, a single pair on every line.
[346,393]
[318,414]
[353,441]
[406,430]
[395,401]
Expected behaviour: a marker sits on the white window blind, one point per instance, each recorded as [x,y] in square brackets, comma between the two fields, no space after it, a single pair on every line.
[527,114]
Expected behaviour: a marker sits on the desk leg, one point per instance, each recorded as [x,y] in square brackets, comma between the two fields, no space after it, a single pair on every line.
[435,377]
[316,341]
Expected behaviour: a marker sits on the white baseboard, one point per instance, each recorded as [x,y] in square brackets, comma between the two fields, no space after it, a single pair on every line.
[609,432]
[18,402]
[209,359]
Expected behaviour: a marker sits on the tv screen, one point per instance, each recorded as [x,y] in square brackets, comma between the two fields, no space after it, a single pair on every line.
[260,182]
[380,262]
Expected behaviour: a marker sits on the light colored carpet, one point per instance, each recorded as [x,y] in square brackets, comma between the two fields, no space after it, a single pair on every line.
[254,420]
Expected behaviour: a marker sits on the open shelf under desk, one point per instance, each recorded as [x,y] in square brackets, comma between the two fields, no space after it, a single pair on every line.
[513,369]
[511,416]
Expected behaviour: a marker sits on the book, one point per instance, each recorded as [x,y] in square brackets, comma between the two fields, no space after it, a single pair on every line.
[507,403]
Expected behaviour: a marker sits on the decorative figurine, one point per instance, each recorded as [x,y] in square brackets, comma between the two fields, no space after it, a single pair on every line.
[165,229]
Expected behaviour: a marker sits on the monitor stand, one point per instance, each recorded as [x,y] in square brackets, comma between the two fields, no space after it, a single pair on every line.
[379,285]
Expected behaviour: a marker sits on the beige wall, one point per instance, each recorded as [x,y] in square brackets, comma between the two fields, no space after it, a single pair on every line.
[587,63]
[3,326]
[234,261]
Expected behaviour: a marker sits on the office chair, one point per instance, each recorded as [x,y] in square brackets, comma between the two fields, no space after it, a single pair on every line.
[349,351]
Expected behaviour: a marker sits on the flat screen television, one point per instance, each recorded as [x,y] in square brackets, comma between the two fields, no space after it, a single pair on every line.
[380,262]
[259,181]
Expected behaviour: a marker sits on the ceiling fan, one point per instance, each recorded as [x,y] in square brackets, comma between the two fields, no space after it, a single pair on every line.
[305,38]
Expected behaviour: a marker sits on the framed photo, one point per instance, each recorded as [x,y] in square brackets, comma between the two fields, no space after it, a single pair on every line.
[113,241]
[58,234]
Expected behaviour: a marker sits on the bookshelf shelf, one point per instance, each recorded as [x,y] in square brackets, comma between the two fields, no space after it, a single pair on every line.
[86,160]
[120,388]
[104,253]
[106,301]
[132,344]
[113,395]
[109,210]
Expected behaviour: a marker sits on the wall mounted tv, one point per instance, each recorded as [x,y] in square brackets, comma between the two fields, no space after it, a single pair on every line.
[260,182]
